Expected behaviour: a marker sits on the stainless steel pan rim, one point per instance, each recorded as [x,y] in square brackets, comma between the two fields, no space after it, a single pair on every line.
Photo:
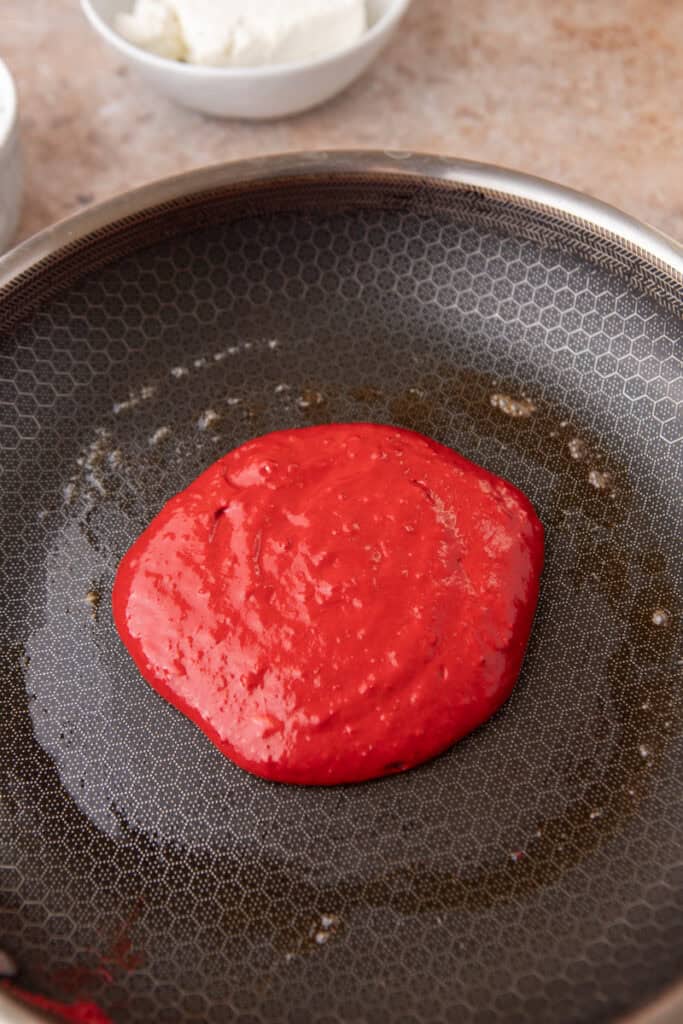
[661,252]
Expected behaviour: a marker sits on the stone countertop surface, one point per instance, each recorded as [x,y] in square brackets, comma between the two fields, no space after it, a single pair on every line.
[589,95]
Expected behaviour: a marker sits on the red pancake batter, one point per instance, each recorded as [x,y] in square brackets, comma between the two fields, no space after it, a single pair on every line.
[334,603]
[80,1012]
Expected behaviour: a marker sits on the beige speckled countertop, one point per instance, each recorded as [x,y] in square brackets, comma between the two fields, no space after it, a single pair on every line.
[588,94]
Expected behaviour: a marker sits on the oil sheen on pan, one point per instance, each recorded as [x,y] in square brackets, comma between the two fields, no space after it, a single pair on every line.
[334,603]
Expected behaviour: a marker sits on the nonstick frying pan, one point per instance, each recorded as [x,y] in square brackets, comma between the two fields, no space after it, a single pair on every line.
[533,872]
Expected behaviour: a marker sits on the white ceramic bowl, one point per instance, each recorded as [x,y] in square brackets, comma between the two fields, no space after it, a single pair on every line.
[10,159]
[252,92]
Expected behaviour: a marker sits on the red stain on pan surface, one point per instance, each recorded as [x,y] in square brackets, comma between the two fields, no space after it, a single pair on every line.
[334,603]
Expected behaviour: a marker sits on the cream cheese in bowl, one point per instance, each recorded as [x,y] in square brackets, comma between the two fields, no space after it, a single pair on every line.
[241,33]
[247,58]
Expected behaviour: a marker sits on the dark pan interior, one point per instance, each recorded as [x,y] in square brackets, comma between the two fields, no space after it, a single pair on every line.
[532,873]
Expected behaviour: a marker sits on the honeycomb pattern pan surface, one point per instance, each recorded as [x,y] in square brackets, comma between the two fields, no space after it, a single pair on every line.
[533,872]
